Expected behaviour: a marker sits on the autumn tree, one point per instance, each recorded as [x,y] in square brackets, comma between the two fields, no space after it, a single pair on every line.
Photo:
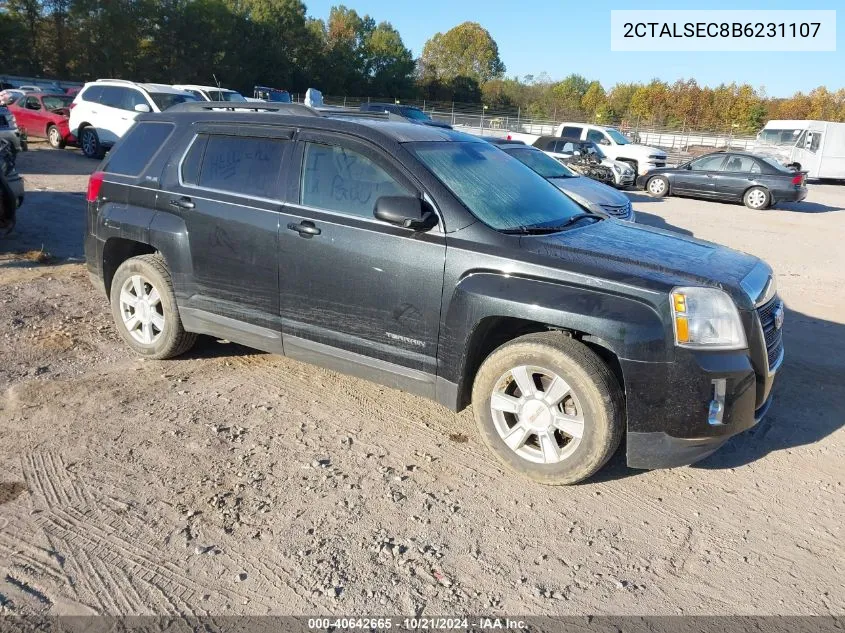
[467,50]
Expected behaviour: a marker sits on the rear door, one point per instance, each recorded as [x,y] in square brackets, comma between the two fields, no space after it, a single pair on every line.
[27,116]
[738,173]
[356,290]
[700,178]
[226,190]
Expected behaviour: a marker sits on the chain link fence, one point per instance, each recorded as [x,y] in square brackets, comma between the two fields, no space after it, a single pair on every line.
[680,142]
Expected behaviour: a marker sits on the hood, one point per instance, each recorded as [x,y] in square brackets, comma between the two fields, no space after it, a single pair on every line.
[644,150]
[592,190]
[646,257]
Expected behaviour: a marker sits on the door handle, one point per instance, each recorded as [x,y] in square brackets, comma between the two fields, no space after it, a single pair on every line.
[305,228]
[182,203]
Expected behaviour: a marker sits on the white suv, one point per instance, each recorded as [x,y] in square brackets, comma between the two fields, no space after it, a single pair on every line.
[615,145]
[104,110]
[211,93]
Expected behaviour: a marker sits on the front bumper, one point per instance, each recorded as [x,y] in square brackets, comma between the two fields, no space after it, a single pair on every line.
[668,405]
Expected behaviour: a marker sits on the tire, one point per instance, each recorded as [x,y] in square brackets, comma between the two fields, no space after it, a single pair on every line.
[757,198]
[657,186]
[154,329]
[545,438]
[89,141]
[54,137]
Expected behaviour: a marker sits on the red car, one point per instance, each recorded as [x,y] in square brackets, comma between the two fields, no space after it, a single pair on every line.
[45,115]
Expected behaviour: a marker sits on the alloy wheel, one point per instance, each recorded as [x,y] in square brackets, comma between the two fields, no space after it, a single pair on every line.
[756,199]
[537,414]
[55,138]
[141,310]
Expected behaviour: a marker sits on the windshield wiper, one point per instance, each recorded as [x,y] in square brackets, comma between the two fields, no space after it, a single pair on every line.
[540,230]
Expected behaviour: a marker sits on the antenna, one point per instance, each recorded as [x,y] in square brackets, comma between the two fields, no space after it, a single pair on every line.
[217,83]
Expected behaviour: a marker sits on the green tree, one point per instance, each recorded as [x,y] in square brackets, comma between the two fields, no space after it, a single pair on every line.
[594,99]
[467,50]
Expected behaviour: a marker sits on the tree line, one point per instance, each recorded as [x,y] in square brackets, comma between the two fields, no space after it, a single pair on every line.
[275,42]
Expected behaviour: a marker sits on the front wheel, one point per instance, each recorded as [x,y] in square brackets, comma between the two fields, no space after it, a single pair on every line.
[658,186]
[548,408]
[144,309]
[54,137]
[757,198]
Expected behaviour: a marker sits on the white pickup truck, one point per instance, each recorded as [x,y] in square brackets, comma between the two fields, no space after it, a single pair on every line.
[615,145]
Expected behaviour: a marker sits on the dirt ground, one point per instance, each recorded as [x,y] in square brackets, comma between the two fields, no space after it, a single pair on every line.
[232,481]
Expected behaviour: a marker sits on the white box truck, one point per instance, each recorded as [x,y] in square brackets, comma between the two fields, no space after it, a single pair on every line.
[815,147]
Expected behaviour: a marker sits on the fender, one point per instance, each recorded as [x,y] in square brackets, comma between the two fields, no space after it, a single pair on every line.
[626,325]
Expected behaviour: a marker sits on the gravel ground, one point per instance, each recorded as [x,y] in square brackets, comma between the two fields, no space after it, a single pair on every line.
[232,481]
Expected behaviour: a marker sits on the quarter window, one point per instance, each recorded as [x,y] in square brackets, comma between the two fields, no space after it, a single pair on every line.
[242,165]
[93,94]
[193,161]
[340,179]
[138,148]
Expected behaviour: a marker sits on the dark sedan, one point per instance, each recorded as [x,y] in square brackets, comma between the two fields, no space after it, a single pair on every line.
[756,181]
[411,113]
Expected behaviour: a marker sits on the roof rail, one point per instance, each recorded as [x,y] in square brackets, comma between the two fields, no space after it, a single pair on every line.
[119,81]
[360,114]
[241,106]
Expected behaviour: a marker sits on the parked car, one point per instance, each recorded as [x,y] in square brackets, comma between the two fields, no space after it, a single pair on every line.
[590,194]
[45,115]
[615,145]
[431,261]
[104,110]
[10,95]
[815,147]
[411,113]
[211,93]
[585,157]
[757,181]
[9,130]
[274,95]
[11,186]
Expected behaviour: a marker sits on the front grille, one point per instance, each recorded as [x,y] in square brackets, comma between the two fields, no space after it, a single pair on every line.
[618,211]
[771,334]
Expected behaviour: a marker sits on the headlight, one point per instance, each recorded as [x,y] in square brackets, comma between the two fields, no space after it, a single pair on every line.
[706,318]
[617,169]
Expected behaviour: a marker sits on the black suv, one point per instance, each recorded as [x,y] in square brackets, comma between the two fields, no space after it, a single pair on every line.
[432,261]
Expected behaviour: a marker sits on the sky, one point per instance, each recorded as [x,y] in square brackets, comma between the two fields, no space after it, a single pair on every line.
[560,37]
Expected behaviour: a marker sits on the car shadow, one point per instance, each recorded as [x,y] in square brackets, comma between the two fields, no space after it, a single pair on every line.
[213,347]
[41,159]
[49,221]
[657,222]
[805,207]
[638,197]
[808,402]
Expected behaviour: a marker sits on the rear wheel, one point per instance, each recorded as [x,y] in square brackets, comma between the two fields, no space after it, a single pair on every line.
[548,408]
[657,186]
[757,198]
[54,137]
[89,141]
[144,309]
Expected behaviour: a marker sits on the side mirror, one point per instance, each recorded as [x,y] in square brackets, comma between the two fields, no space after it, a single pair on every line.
[405,211]
[808,142]
[604,141]
[142,107]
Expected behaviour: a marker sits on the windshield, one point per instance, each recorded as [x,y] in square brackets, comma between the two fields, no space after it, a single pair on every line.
[617,136]
[279,96]
[164,100]
[498,189]
[778,137]
[225,95]
[416,115]
[540,162]
[54,103]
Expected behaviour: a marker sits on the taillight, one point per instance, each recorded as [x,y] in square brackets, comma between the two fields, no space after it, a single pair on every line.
[94,184]
[510,138]
[797,179]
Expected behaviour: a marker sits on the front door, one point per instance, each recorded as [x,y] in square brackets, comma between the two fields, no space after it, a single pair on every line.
[226,190]
[700,178]
[356,290]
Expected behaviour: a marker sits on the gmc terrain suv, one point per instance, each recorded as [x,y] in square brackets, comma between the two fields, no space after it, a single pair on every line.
[434,262]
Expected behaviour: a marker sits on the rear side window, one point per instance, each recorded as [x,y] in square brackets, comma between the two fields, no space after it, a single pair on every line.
[743,164]
[242,165]
[571,132]
[138,148]
[93,94]
[595,136]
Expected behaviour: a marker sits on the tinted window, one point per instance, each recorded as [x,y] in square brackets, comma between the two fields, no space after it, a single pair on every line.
[138,148]
[166,100]
[133,98]
[497,188]
[708,163]
[343,180]
[193,160]
[595,136]
[572,132]
[744,164]
[113,96]
[32,103]
[94,94]
[242,165]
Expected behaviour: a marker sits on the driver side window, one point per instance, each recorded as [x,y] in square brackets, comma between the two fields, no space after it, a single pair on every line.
[596,136]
